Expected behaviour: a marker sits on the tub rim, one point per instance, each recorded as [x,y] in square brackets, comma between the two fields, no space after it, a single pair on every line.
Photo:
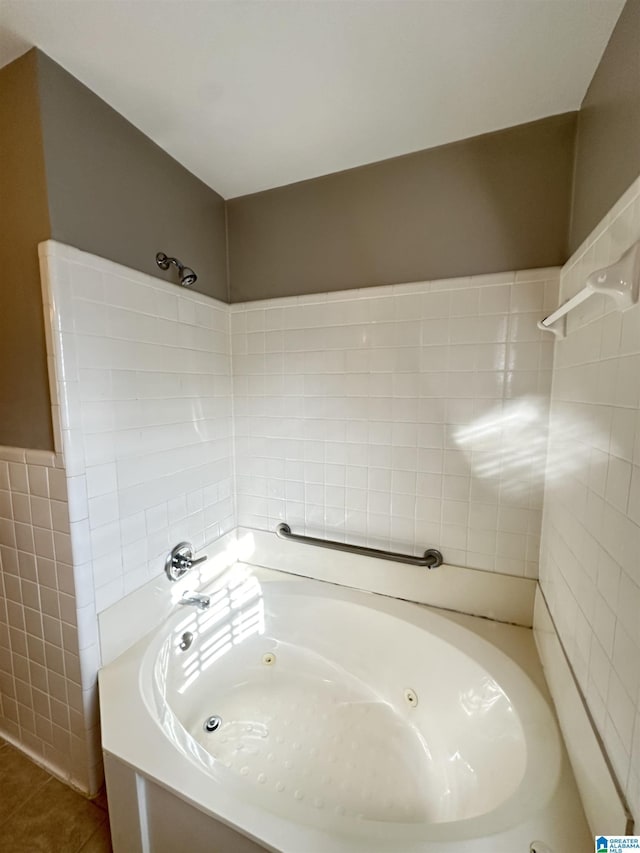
[531,795]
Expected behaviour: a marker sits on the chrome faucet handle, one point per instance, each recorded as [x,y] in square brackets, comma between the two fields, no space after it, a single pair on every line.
[180,560]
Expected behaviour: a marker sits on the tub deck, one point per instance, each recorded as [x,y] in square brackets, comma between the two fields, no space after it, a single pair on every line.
[309,743]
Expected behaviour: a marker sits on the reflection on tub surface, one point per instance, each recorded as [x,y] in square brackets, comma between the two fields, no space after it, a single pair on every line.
[236,612]
[321,729]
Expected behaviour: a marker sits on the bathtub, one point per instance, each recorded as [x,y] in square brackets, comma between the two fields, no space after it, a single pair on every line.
[294,715]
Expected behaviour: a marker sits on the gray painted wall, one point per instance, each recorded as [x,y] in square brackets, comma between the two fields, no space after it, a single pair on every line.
[73,169]
[113,192]
[607,156]
[25,408]
[491,203]
[499,201]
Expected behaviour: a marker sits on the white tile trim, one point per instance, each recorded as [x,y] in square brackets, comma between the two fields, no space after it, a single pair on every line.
[603,802]
[46,458]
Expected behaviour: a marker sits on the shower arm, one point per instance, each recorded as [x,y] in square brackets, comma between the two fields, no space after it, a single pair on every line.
[186,274]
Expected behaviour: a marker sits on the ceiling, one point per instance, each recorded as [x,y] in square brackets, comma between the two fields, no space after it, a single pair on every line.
[251,95]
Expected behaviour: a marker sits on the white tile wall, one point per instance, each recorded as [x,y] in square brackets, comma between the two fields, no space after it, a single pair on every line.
[140,377]
[590,557]
[396,416]
[43,706]
[141,374]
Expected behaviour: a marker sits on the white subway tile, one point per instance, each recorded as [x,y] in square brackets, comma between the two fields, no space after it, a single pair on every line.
[592,513]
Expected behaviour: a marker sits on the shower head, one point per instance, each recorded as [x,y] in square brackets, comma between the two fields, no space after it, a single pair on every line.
[187,275]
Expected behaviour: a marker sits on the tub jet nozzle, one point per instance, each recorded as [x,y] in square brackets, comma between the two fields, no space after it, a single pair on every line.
[212,724]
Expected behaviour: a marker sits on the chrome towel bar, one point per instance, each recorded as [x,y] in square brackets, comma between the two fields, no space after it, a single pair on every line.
[432,558]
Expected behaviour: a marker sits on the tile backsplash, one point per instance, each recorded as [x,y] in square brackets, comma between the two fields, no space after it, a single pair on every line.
[400,417]
[392,416]
[590,555]
[141,378]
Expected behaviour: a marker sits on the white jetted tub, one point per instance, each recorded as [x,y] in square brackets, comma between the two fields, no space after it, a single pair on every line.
[304,717]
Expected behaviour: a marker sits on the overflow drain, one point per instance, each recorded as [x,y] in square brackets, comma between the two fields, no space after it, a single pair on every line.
[212,724]
[269,659]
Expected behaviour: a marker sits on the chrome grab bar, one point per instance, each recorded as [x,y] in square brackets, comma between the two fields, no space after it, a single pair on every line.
[432,558]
